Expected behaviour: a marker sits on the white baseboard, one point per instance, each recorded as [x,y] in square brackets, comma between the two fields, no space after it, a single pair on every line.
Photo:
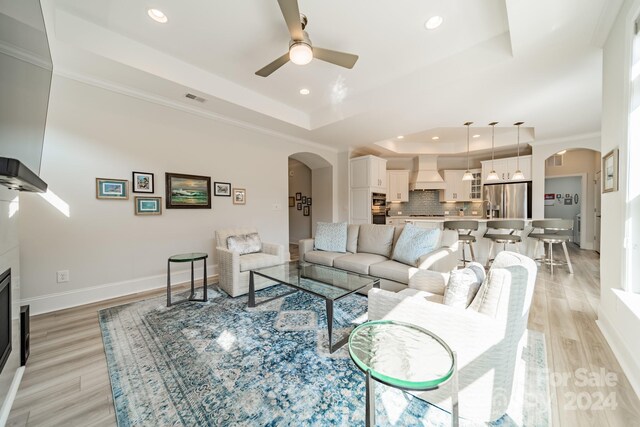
[11,395]
[61,300]
[627,361]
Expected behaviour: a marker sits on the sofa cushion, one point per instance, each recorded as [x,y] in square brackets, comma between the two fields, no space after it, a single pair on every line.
[415,293]
[331,237]
[463,285]
[352,238]
[415,242]
[245,243]
[258,260]
[376,239]
[392,270]
[322,257]
[358,263]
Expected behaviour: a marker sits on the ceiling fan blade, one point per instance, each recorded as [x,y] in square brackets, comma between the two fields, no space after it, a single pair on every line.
[267,70]
[291,14]
[342,59]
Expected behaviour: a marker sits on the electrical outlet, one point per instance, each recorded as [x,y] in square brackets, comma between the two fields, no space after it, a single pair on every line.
[62,276]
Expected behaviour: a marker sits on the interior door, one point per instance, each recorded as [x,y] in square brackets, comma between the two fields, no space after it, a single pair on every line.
[598,195]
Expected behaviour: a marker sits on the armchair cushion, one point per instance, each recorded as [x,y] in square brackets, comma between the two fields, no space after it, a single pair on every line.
[415,242]
[463,285]
[331,237]
[258,260]
[245,243]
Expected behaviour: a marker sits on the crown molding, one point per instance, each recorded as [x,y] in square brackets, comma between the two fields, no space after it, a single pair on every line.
[24,55]
[573,138]
[159,100]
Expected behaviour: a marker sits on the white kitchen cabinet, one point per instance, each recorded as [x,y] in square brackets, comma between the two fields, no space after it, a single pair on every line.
[369,172]
[360,206]
[505,168]
[398,186]
[458,190]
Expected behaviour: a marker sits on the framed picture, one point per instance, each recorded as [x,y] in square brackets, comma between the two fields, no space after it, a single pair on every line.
[558,196]
[567,196]
[298,196]
[568,201]
[148,205]
[188,191]
[117,189]
[610,171]
[304,200]
[299,207]
[576,198]
[305,211]
[142,182]
[292,202]
[309,201]
[222,189]
[239,196]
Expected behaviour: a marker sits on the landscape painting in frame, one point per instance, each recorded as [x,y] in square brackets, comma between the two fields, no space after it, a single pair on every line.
[188,191]
[148,205]
[112,189]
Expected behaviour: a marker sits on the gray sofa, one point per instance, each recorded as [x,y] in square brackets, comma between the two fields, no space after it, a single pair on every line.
[369,251]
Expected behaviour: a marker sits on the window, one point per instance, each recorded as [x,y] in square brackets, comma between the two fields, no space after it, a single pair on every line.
[633,179]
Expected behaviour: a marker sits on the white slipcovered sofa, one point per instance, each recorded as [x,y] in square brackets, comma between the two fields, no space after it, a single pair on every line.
[487,336]
[369,250]
[234,267]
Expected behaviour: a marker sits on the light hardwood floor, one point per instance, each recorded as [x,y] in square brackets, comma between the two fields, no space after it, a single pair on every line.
[66,381]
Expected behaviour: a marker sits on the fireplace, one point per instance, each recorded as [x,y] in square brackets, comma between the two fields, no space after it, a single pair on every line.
[5,317]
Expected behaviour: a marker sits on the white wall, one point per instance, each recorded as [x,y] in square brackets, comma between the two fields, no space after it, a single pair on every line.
[299,182]
[108,250]
[619,315]
[9,258]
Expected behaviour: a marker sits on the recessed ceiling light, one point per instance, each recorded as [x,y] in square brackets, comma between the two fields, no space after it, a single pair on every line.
[435,138]
[476,136]
[433,22]
[400,137]
[304,91]
[157,15]
[560,153]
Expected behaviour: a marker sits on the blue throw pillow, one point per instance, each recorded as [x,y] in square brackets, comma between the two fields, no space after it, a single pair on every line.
[331,236]
[414,242]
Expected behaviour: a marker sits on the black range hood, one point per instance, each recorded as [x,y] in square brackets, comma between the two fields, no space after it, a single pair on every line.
[15,175]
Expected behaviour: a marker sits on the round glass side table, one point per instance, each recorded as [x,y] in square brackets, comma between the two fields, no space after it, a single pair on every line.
[403,356]
[190,257]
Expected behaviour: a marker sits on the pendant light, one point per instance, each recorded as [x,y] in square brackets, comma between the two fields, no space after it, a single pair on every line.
[468,176]
[493,176]
[518,175]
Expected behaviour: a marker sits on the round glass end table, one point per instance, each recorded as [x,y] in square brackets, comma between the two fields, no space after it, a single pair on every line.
[403,356]
[190,257]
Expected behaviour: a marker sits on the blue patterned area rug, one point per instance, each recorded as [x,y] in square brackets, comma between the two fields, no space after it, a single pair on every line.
[222,364]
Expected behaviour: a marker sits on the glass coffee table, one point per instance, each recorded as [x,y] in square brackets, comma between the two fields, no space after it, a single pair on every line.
[328,283]
[403,356]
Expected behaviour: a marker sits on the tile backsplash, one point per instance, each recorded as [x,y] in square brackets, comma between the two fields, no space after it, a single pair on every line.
[428,203]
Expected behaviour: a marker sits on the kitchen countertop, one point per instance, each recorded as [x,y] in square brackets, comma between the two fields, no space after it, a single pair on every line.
[454,218]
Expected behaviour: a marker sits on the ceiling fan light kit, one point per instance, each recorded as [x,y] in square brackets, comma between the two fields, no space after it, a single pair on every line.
[468,176]
[301,51]
[493,176]
[518,175]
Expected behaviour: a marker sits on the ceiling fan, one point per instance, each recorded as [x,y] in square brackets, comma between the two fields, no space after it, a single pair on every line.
[301,51]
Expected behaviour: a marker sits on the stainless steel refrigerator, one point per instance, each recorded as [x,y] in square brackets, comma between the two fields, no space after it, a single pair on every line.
[508,200]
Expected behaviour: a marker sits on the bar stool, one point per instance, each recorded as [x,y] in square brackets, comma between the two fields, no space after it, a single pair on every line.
[507,228]
[554,231]
[464,229]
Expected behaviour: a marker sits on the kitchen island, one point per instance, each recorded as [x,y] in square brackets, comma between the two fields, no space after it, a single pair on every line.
[482,245]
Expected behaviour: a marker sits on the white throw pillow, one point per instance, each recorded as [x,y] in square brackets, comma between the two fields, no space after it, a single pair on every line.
[414,242]
[463,285]
[245,243]
[331,237]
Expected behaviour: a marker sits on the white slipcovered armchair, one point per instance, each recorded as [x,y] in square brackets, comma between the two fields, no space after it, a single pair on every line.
[487,336]
[234,268]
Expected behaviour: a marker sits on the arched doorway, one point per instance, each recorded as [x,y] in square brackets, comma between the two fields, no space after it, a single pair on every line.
[311,187]
[572,191]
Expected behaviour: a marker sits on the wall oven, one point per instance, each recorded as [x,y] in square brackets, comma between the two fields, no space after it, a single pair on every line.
[378,208]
